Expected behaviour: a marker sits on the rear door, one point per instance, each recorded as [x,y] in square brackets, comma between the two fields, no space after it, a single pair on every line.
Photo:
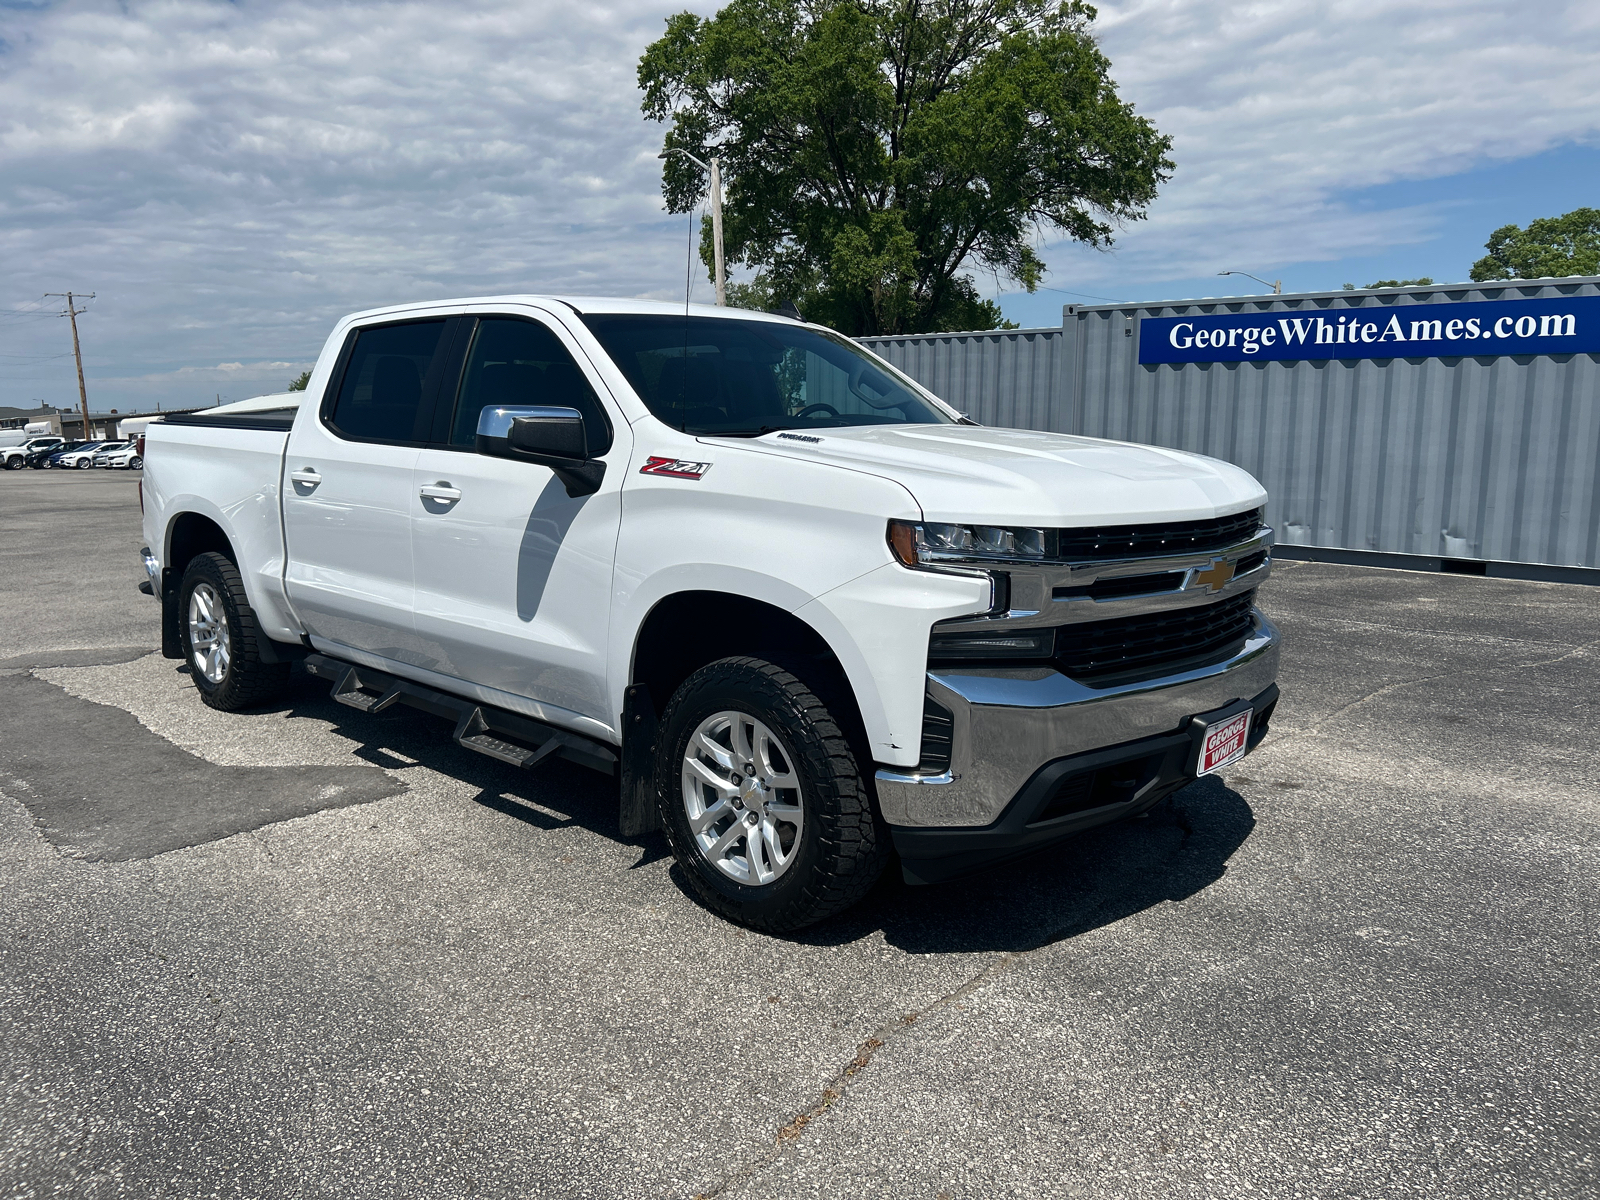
[348,488]
[513,575]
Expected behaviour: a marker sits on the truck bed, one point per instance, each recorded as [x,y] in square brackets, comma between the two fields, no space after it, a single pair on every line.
[227,468]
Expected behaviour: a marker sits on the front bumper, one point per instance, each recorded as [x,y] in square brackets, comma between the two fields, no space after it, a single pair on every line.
[1019,736]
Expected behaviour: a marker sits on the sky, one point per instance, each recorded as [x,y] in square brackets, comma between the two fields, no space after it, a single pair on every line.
[230,178]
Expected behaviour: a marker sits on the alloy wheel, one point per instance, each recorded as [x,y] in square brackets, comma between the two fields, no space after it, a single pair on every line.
[741,794]
[210,646]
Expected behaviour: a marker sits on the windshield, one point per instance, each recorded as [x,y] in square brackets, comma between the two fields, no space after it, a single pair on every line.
[721,376]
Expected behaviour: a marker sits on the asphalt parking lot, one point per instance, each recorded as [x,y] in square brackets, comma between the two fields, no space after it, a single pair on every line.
[312,952]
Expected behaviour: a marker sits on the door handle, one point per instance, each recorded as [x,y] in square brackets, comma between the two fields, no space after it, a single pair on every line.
[307,476]
[441,491]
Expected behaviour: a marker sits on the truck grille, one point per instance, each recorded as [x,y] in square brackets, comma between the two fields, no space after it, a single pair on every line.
[1154,643]
[1146,541]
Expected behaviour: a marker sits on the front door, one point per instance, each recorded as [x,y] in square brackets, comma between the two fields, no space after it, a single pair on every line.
[513,576]
[347,491]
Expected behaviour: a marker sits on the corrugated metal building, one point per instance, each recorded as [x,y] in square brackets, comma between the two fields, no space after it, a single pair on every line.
[1487,456]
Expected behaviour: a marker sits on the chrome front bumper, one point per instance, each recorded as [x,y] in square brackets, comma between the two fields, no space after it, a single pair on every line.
[1011,722]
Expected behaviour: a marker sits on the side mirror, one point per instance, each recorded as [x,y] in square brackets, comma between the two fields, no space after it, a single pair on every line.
[551,437]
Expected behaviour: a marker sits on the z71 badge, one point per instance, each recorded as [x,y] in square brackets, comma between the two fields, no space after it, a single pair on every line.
[673,468]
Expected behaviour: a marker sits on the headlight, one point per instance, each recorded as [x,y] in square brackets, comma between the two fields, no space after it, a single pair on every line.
[927,544]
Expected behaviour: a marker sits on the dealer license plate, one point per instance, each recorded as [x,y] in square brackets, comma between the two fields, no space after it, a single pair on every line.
[1223,743]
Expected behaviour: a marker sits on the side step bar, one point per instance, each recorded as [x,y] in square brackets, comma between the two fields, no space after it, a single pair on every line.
[497,732]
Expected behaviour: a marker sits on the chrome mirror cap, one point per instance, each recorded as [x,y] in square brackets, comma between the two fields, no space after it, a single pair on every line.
[495,420]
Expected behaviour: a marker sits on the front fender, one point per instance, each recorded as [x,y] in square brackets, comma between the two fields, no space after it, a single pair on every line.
[877,625]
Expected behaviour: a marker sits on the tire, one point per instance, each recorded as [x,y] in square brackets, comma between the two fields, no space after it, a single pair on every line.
[14,462]
[822,846]
[84,464]
[221,638]
[136,463]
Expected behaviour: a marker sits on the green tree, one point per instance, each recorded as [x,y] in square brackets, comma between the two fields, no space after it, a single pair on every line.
[1551,246]
[300,381]
[1420,281]
[876,152]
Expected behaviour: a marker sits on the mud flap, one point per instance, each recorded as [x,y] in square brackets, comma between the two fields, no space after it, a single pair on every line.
[171,647]
[638,813]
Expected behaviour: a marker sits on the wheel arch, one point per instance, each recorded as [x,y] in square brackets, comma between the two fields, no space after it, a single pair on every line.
[685,630]
[190,533]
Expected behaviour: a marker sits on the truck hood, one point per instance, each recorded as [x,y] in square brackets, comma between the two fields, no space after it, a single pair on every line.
[974,474]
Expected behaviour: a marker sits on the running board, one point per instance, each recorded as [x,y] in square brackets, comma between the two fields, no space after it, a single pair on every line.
[484,728]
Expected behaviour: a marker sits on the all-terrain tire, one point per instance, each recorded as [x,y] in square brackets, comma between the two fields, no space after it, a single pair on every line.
[843,845]
[247,681]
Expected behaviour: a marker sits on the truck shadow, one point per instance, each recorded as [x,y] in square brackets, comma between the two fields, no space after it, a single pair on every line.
[557,794]
[1100,877]
[1096,879]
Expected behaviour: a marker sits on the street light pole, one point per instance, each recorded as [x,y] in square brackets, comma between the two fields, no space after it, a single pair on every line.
[1276,285]
[714,169]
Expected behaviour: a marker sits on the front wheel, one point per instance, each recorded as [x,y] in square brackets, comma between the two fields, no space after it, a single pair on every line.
[84,464]
[221,640]
[762,799]
[14,463]
[135,463]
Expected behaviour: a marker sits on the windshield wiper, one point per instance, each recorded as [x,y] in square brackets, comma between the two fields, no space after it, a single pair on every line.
[746,433]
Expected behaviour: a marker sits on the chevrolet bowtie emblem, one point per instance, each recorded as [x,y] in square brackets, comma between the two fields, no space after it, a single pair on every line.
[1213,578]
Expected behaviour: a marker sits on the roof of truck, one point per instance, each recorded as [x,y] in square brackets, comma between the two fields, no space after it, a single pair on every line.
[581,305]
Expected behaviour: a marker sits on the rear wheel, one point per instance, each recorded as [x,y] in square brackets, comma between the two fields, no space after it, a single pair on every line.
[762,798]
[221,639]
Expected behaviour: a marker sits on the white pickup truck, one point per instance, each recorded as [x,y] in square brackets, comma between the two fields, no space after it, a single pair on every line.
[808,614]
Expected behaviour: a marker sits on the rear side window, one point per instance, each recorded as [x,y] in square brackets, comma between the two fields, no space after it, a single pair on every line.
[381,396]
[522,362]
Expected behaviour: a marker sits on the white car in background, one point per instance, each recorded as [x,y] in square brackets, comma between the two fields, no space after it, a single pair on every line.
[14,458]
[119,454]
[82,457]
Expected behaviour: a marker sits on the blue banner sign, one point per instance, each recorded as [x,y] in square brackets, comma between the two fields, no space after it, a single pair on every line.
[1559,325]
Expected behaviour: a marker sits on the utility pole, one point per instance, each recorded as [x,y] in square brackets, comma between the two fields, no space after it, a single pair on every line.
[714,169]
[83,395]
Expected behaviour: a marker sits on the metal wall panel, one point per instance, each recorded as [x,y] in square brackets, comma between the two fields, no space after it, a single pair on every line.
[1492,458]
[1005,377]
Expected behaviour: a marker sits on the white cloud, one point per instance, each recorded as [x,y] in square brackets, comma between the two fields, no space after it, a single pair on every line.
[1277,106]
[231,178]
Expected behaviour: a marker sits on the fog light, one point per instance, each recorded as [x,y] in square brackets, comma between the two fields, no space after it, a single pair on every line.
[1020,643]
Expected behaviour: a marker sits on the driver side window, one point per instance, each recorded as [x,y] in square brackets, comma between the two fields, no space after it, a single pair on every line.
[517,362]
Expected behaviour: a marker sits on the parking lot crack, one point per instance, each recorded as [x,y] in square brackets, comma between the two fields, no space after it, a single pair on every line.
[850,1075]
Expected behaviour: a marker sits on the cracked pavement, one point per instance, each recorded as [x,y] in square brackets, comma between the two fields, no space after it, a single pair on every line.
[354,960]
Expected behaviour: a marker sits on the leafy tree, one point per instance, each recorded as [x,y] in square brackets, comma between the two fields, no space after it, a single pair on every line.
[875,152]
[1422,281]
[1551,246]
[300,381]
